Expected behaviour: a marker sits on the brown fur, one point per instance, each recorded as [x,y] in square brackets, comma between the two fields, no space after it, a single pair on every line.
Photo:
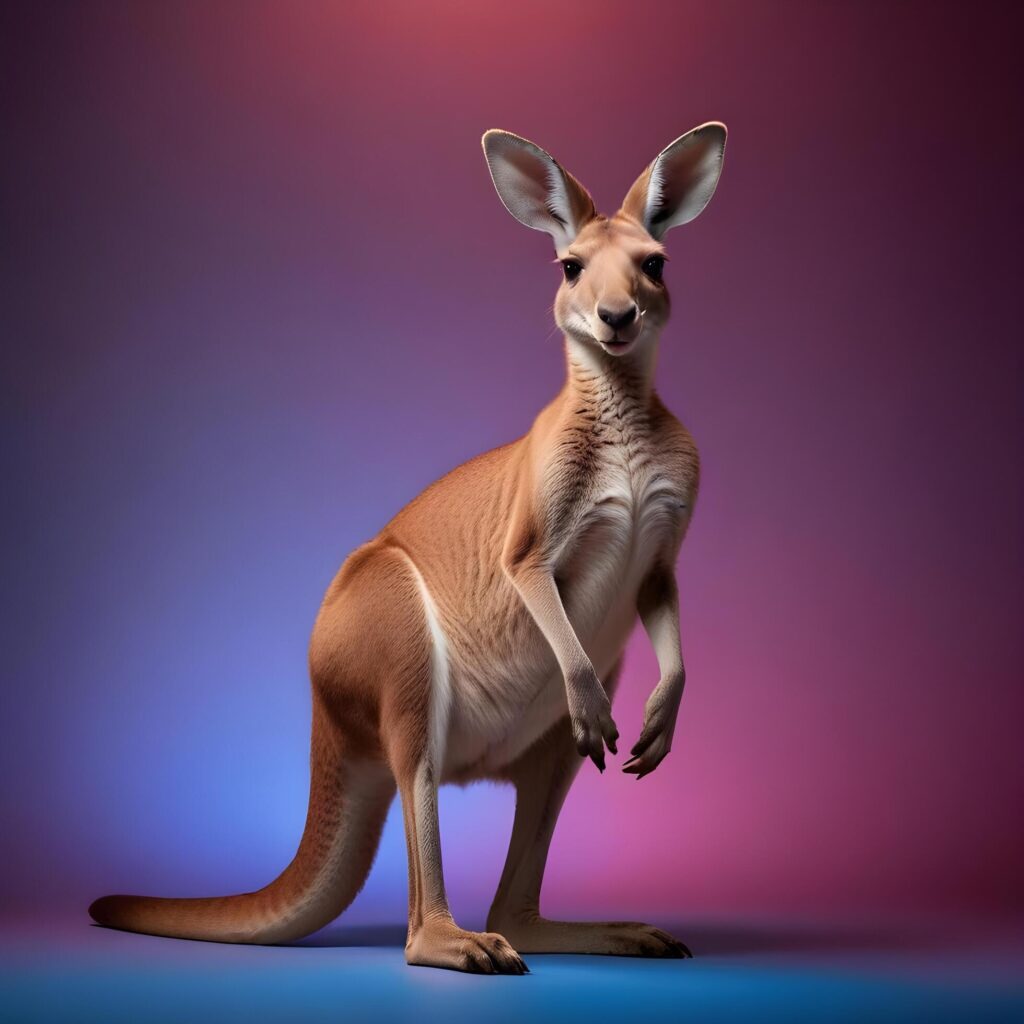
[469,639]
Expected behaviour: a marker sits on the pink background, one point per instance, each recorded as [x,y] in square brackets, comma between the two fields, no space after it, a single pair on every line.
[259,291]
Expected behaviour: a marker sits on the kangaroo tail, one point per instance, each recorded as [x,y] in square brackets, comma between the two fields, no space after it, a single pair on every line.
[348,802]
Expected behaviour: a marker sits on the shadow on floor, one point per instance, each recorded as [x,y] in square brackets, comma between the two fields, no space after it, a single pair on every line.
[704,938]
[356,935]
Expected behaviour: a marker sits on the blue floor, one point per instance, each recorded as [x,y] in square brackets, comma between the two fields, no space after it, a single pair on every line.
[743,972]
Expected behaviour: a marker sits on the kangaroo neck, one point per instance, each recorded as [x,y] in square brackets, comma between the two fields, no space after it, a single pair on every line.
[609,386]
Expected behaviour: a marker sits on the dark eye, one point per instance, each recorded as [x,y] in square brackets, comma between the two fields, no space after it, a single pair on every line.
[653,267]
[572,268]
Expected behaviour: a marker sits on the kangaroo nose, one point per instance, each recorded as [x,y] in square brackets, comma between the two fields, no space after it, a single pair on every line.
[622,318]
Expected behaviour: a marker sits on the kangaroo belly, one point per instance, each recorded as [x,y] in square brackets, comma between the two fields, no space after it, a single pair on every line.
[509,699]
[507,691]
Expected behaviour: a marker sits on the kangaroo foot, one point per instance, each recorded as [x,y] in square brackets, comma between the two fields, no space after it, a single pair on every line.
[444,944]
[608,938]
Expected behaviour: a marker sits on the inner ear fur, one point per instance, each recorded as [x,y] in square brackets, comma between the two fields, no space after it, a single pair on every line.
[677,185]
[535,188]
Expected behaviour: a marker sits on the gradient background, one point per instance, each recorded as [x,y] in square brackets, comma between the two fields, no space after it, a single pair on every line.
[258,291]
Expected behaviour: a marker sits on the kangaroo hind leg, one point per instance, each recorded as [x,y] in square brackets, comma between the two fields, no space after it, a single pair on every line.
[415,710]
[542,776]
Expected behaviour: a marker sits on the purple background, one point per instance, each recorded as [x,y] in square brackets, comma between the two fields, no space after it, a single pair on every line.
[258,291]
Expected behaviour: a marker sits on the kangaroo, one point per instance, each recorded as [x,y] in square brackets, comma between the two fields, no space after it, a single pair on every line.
[469,639]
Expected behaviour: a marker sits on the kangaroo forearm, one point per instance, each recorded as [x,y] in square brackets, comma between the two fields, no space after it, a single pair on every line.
[539,592]
[658,604]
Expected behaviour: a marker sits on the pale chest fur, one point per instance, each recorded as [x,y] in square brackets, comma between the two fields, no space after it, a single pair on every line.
[633,511]
[621,489]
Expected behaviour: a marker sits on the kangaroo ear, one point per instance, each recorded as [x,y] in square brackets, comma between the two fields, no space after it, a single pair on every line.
[535,189]
[680,182]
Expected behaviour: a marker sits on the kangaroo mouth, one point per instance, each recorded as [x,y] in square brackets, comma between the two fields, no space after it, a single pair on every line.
[620,343]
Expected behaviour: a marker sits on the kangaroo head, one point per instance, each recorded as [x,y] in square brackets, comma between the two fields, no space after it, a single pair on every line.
[612,294]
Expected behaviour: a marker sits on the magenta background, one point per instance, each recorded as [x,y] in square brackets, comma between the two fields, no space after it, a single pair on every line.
[258,291]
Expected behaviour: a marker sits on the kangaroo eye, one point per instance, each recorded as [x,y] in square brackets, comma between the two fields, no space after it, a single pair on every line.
[572,268]
[653,267]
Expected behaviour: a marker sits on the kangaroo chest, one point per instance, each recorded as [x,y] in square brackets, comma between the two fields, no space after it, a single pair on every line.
[631,508]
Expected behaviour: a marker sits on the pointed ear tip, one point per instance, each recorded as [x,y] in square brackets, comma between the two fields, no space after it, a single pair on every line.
[705,129]
[496,141]
[495,136]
